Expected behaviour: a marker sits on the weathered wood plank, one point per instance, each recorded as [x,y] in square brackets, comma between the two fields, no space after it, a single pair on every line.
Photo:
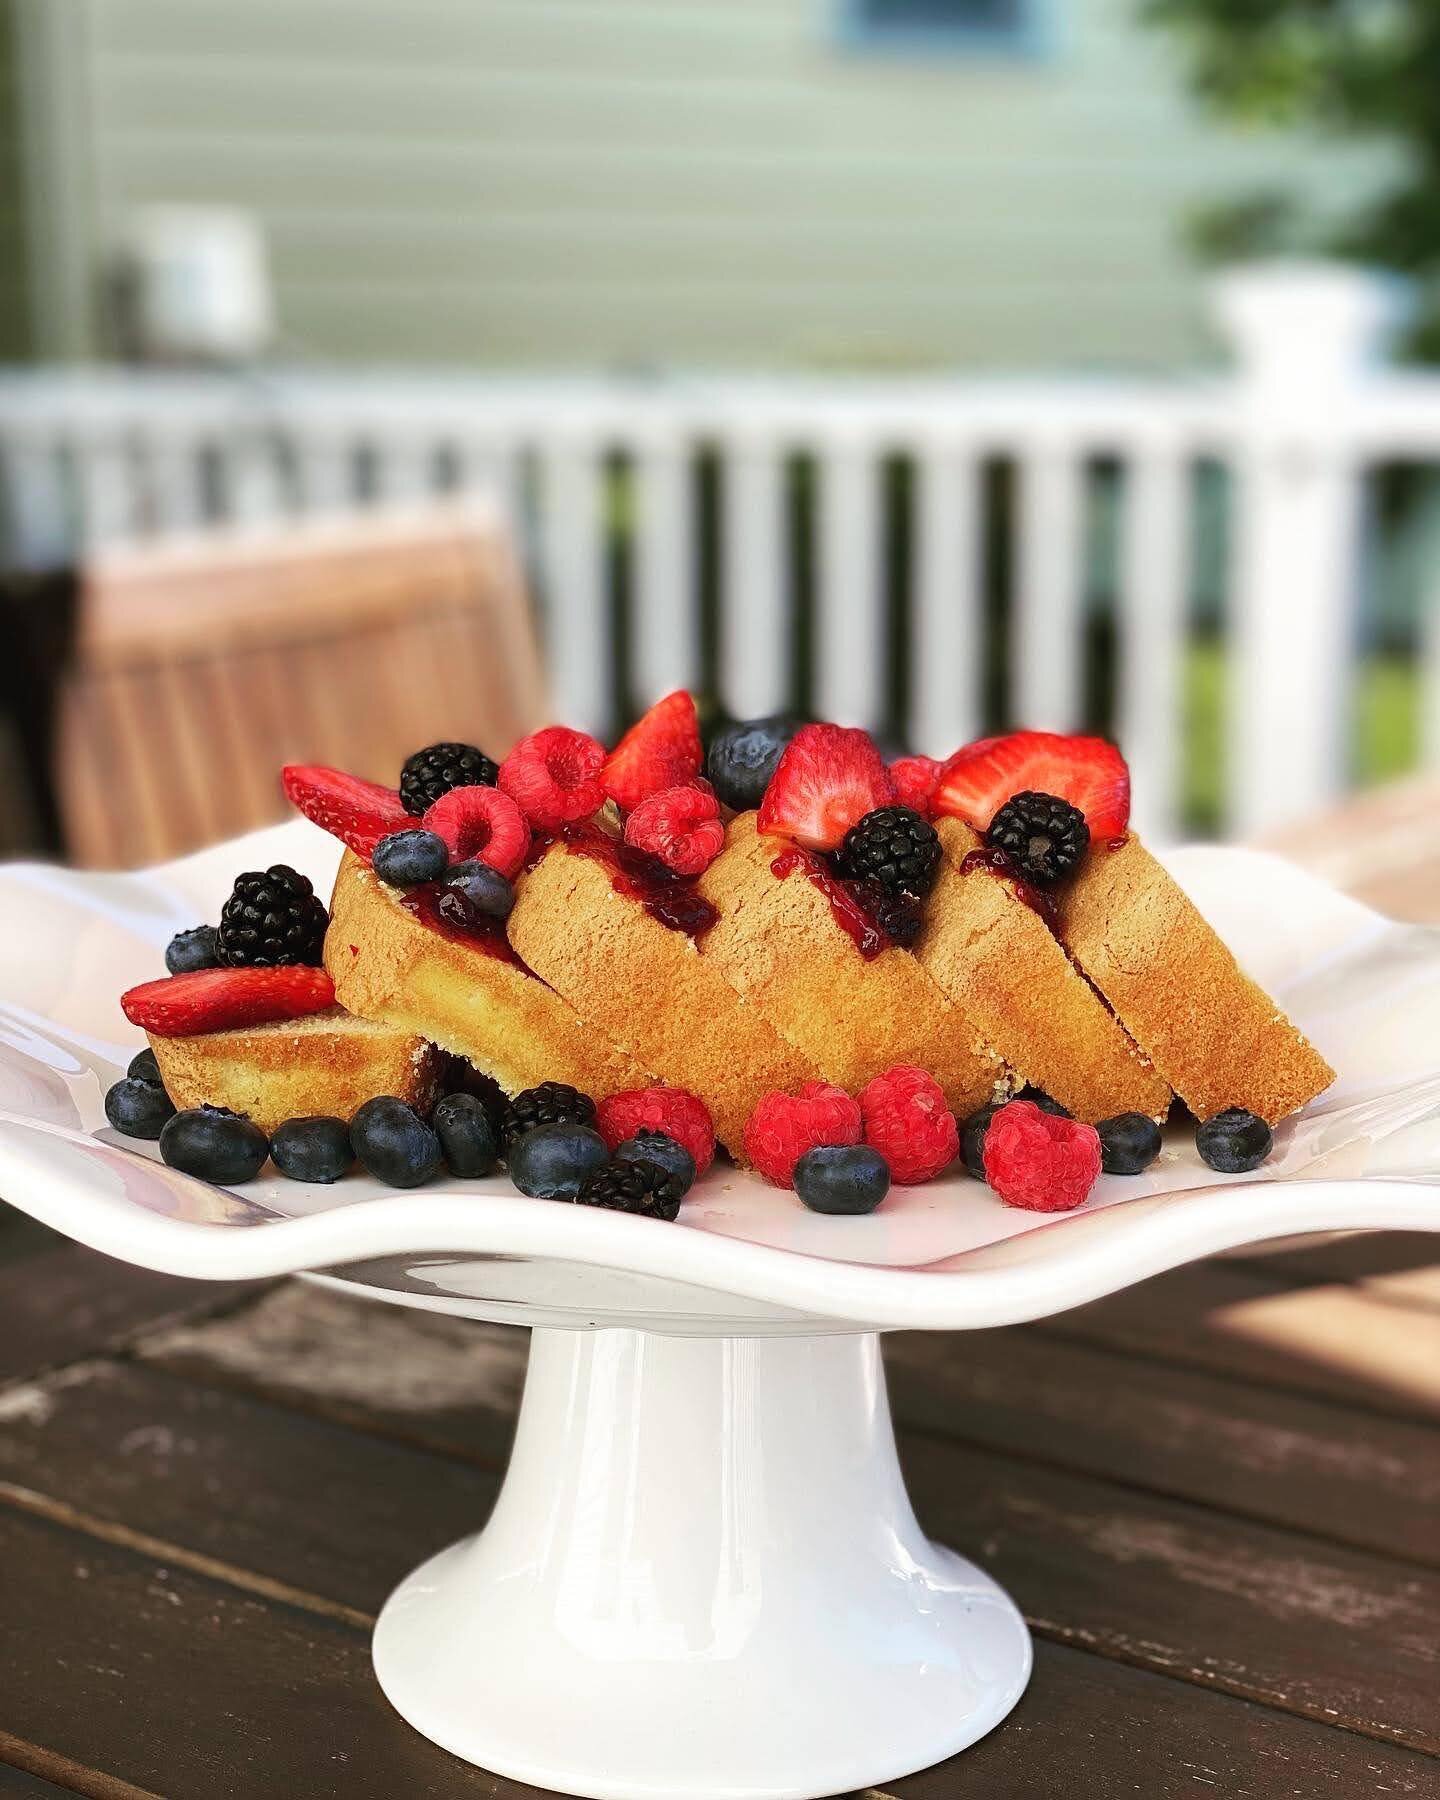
[15,1782]
[1346,1256]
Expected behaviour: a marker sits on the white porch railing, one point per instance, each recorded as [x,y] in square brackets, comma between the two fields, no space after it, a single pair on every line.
[664,467]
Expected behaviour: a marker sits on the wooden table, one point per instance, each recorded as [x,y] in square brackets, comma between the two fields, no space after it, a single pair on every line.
[1216,1496]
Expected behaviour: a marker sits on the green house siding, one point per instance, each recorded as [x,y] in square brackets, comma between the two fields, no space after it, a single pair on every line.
[698,181]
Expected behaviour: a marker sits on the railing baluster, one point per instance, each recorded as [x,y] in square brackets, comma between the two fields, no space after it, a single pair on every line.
[105,471]
[1045,642]
[666,629]
[39,528]
[756,676]
[405,468]
[251,480]
[946,672]
[176,481]
[577,610]
[325,463]
[850,673]
[1153,617]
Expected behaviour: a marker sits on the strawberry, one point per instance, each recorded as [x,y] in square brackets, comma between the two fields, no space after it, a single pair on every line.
[828,778]
[681,826]
[357,812]
[914,778]
[553,776]
[226,999]
[661,750]
[1087,771]
[481,822]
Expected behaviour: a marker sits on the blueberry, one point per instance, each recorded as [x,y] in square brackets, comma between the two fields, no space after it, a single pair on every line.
[467,1135]
[138,1108]
[484,892]
[842,1178]
[1038,1097]
[394,1142]
[312,1149]
[1234,1141]
[742,758]
[143,1067]
[407,857]
[659,1148]
[1129,1143]
[549,1162]
[198,948]
[214,1143]
[972,1139]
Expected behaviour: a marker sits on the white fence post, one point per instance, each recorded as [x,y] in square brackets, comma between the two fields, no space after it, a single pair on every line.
[1308,338]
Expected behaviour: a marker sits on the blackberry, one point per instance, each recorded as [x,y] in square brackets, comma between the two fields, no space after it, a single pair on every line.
[552,1103]
[900,917]
[1046,838]
[634,1187]
[432,772]
[894,846]
[271,918]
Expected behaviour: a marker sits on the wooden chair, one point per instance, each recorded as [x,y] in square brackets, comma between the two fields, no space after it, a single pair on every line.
[200,667]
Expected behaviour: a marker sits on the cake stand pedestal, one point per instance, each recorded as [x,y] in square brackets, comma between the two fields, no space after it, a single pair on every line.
[702,1578]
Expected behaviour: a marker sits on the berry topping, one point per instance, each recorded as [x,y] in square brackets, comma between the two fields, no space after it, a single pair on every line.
[143,1067]
[226,999]
[908,1122]
[899,916]
[894,846]
[784,1126]
[467,1137]
[661,750]
[314,1149]
[914,778]
[662,1150]
[553,776]
[851,1178]
[137,1108]
[742,758]
[1038,1161]
[552,1162]
[643,1188]
[1234,1141]
[215,1144]
[481,822]
[680,827]
[1129,1143]
[271,919]
[357,812]
[972,1139]
[552,1103]
[394,1143]
[671,1110]
[198,948]
[1045,837]
[406,858]
[1087,771]
[472,893]
[438,769]
[827,779]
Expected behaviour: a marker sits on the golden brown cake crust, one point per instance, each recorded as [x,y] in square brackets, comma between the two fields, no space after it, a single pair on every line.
[649,988]
[777,943]
[998,960]
[1216,1036]
[327,1063]
[390,966]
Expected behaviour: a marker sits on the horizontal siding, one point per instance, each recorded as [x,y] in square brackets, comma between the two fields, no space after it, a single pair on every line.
[529,180]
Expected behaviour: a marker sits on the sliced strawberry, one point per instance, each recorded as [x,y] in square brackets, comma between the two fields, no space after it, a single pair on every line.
[914,778]
[226,999]
[660,751]
[357,812]
[481,822]
[828,778]
[681,826]
[1089,772]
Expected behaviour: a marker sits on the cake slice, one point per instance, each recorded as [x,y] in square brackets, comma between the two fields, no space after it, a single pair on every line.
[392,962]
[997,959]
[779,942]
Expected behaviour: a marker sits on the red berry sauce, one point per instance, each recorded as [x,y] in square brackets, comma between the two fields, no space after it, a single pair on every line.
[443,910]
[845,905]
[670,899]
[999,862]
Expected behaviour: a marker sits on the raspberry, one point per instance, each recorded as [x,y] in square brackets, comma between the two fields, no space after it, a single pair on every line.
[914,778]
[681,826]
[553,776]
[481,822]
[666,1109]
[1039,1161]
[908,1122]
[784,1126]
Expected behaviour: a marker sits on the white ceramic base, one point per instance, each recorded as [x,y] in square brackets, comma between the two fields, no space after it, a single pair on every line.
[702,1578]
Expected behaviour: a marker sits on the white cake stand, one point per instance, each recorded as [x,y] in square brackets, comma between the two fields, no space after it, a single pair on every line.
[703,1576]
